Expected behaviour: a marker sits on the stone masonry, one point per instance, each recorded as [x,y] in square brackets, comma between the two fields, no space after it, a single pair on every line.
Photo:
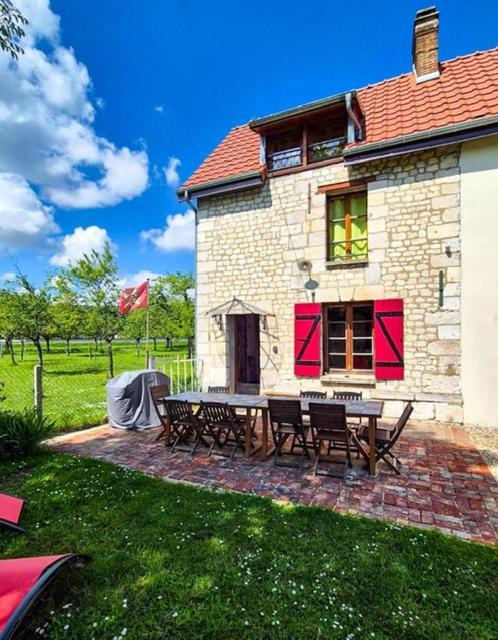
[249,244]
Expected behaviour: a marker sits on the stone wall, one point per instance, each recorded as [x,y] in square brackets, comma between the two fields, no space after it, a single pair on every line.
[249,244]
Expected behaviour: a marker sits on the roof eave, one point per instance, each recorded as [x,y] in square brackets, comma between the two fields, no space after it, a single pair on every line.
[478,127]
[317,105]
[244,180]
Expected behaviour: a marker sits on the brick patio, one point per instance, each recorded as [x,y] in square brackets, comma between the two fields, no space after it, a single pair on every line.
[445,482]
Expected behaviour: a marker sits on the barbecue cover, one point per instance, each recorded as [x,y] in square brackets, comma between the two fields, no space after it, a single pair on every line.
[129,405]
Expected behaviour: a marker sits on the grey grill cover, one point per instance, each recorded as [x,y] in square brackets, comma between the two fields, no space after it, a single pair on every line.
[129,405]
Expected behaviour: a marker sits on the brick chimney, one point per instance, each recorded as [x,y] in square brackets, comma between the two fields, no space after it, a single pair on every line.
[425,48]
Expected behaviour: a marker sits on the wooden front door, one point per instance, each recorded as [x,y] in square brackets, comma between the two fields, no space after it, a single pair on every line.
[245,357]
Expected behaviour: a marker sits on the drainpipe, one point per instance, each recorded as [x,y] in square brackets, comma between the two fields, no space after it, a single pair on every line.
[354,119]
[193,208]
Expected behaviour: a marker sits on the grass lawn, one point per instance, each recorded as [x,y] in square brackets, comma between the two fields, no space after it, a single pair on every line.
[174,561]
[74,385]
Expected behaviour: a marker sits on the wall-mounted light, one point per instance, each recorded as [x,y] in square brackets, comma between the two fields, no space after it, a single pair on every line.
[218,321]
[311,285]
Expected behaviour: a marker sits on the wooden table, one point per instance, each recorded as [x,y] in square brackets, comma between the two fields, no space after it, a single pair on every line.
[370,409]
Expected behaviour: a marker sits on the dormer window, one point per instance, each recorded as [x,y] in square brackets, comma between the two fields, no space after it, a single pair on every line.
[309,142]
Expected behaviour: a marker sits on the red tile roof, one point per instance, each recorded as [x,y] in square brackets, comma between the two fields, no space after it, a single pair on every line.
[237,153]
[467,89]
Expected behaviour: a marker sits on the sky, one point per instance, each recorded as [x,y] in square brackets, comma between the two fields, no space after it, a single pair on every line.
[115,103]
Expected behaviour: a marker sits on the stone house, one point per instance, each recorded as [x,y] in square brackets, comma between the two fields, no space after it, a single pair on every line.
[350,242]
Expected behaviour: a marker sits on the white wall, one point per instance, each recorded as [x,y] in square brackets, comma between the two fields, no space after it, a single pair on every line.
[479,234]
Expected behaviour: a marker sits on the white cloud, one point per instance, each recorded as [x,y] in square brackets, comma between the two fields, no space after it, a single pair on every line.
[134,279]
[159,108]
[82,240]
[9,276]
[179,233]
[46,123]
[25,223]
[171,172]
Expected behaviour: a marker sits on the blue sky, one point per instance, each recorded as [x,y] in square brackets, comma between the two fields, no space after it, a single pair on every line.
[167,80]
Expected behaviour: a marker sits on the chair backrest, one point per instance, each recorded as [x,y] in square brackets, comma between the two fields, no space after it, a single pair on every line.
[329,418]
[157,394]
[347,395]
[401,424]
[322,395]
[179,410]
[218,413]
[217,389]
[285,412]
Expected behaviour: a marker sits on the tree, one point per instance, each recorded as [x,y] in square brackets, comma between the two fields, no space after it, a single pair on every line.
[11,29]
[134,326]
[181,288]
[32,307]
[9,321]
[67,314]
[94,280]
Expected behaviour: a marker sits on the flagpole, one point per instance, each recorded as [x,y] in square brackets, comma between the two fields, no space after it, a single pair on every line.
[147,328]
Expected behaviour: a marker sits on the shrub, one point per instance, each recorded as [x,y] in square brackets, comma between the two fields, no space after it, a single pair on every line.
[22,432]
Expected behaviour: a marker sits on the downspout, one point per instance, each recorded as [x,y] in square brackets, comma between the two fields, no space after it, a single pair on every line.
[193,208]
[352,115]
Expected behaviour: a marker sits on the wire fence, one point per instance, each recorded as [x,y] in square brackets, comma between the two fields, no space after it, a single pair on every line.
[73,385]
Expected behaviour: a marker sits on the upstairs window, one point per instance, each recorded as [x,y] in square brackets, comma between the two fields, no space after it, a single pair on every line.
[325,140]
[307,141]
[347,238]
[284,150]
[349,336]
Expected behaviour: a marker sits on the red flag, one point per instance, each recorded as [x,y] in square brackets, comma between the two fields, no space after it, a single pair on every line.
[134,298]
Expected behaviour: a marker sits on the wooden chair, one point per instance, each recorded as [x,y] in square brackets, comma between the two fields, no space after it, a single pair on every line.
[184,425]
[218,390]
[286,421]
[157,394]
[354,423]
[385,440]
[347,395]
[329,425]
[316,395]
[224,426]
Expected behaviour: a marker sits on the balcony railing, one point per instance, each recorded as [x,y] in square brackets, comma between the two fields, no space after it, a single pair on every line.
[290,158]
[285,159]
[326,149]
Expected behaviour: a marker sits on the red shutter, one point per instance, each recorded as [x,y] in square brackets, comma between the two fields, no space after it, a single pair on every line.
[389,364]
[307,340]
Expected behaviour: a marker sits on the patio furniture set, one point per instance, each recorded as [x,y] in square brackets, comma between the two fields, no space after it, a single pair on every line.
[291,427]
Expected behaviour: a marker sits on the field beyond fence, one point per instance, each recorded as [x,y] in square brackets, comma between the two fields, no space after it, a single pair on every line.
[74,394]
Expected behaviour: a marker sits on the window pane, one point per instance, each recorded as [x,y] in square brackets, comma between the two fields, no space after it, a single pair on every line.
[362,312]
[337,313]
[358,205]
[337,362]
[362,362]
[338,237]
[337,329]
[362,345]
[362,329]
[337,346]
[337,209]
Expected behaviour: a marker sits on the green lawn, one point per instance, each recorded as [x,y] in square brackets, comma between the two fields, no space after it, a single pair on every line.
[74,385]
[173,561]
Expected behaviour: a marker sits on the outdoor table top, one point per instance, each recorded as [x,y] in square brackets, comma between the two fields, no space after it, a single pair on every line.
[354,408]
